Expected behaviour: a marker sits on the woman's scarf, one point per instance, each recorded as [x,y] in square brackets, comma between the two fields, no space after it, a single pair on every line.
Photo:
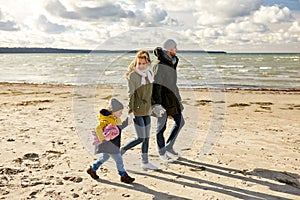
[147,73]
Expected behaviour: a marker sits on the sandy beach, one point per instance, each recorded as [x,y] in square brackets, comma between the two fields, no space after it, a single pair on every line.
[235,145]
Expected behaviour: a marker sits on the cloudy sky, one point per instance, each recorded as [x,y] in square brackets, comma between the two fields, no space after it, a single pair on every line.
[230,25]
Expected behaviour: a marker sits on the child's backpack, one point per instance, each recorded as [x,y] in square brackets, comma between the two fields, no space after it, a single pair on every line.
[110,132]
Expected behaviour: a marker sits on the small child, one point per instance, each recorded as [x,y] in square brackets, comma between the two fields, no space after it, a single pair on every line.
[110,148]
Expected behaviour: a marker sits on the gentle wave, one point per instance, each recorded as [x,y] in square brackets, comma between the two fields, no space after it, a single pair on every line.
[271,71]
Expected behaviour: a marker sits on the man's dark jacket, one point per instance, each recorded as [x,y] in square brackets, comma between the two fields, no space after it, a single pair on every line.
[165,91]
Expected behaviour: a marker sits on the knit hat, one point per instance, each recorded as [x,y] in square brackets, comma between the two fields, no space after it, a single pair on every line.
[169,44]
[115,105]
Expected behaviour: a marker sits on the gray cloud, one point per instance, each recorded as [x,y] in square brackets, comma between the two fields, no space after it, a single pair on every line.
[49,27]
[108,10]
[112,11]
[148,15]
[7,25]
[55,7]
[224,12]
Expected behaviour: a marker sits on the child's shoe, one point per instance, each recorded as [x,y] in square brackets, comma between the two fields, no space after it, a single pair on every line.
[122,151]
[92,173]
[127,179]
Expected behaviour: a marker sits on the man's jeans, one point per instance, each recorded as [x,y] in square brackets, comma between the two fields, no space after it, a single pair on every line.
[161,127]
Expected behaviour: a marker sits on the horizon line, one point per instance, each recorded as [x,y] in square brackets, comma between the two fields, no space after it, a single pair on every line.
[78,50]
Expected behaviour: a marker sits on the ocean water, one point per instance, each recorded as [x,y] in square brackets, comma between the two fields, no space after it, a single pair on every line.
[195,70]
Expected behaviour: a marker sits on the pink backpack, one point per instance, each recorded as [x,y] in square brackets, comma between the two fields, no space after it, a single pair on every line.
[111,132]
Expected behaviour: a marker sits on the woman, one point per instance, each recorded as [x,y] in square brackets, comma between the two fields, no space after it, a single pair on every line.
[140,79]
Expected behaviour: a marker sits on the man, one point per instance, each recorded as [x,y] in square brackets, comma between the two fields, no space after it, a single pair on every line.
[166,94]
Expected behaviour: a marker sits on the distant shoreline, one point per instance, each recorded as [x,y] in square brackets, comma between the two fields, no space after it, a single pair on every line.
[106,86]
[25,50]
[57,50]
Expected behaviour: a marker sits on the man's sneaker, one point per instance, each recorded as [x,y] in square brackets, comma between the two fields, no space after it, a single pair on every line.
[165,158]
[174,153]
[127,179]
[92,173]
[149,166]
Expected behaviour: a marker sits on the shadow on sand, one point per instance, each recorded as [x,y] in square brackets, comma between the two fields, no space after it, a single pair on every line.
[291,181]
[141,188]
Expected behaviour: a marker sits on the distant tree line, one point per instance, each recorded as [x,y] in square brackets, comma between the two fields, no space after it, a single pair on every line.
[56,50]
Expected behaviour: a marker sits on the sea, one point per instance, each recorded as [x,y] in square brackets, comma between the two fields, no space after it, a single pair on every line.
[195,70]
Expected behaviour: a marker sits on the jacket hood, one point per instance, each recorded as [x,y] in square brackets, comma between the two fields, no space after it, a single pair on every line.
[107,117]
[163,57]
[105,112]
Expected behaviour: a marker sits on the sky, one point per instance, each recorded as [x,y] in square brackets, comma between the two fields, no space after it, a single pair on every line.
[228,25]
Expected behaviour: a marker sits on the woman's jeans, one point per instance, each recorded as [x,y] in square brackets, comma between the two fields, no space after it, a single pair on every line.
[142,126]
[117,158]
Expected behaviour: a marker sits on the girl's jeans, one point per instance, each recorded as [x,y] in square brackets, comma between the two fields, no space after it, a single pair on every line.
[117,158]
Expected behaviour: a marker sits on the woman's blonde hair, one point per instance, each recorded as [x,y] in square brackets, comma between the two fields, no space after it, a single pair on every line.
[142,54]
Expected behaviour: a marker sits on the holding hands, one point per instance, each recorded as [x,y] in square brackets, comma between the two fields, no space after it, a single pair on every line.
[130,118]
[158,110]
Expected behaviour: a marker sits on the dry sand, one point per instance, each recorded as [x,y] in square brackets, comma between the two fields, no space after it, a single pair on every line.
[44,152]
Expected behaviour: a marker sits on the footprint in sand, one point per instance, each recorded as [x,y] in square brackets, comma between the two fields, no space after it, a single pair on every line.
[73,179]
[262,103]
[292,107]
[10,171]
[263,106]
[34,102]
[31,156]
[202,102]
[240,105]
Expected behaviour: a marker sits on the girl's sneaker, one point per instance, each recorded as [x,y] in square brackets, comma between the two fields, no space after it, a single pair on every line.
[127,179]
[166,158]
[92,173]
[149,165]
